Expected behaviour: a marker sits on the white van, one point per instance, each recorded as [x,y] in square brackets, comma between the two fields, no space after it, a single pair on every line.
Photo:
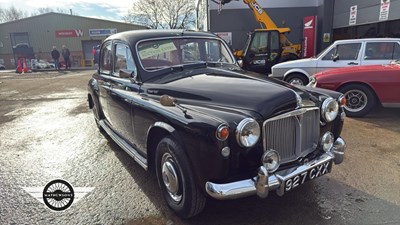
[340,54]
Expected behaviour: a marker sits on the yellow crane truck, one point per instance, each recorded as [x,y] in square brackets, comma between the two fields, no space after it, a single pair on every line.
[267,46]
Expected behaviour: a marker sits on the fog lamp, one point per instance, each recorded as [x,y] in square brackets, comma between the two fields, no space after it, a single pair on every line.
[271,160]
[327,141]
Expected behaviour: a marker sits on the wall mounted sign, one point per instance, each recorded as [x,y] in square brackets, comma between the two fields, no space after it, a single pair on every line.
[353,15]
[69,33]
[384,12]
[102,32]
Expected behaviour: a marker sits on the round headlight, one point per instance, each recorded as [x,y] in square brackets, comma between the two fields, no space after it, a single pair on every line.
[329,109]
[248,132]
[271,160]
[327,141]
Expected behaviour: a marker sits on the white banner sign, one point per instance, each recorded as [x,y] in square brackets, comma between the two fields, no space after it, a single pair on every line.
[227,36]
[384,13]
[353,15]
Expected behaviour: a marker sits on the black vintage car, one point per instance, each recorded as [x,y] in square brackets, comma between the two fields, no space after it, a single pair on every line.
[178,103]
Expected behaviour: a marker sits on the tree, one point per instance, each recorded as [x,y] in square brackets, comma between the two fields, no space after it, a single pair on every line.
[11,14]
[173,14]
[45,10]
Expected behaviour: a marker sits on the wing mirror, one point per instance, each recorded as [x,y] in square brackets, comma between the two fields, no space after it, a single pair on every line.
[240,62]
[335,57]
[167,100]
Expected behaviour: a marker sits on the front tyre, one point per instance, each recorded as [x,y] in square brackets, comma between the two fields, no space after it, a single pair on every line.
[176,179]
[360,100]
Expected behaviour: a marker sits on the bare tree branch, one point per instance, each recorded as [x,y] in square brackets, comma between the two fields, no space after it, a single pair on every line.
[158,14]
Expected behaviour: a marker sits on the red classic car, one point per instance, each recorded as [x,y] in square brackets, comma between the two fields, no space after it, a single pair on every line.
[363,86]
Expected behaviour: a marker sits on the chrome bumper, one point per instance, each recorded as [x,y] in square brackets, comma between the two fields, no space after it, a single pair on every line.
[263,183]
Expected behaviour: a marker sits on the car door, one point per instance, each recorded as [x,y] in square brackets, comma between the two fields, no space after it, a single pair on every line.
[378,53]
[123,92]
[342,55]
[105,68]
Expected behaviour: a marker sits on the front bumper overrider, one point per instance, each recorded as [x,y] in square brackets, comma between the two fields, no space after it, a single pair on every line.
[264,182]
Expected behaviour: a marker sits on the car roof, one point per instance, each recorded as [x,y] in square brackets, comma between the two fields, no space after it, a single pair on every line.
[137,35]
[367,39]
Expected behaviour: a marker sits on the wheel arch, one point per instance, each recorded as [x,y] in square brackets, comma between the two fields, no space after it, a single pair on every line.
[367,85]
[90,101]
[293,72]
[154,135]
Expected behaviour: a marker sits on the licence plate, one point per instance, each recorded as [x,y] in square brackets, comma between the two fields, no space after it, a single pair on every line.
[310,174]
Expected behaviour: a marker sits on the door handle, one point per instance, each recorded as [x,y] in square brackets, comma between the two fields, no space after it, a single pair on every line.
[352,63]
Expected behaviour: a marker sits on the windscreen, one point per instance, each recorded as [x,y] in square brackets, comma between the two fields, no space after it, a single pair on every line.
[158,54]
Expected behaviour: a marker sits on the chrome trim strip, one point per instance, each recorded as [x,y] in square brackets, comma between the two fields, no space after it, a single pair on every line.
[290,114]
[391,105]
[124,145]
[256,185]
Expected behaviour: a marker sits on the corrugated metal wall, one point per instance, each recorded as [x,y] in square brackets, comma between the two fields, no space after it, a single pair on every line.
[42,32]
[367,11]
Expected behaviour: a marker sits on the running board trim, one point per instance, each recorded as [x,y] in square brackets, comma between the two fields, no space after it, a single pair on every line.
[124,145]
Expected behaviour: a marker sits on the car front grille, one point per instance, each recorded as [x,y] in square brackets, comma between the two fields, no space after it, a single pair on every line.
[292,135]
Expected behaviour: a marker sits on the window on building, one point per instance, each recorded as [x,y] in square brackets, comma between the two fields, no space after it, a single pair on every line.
[105,61]
[123,59]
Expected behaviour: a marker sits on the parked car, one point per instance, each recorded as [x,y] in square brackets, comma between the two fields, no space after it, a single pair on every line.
[207,127]
[41,64]
[343,53]
[2,67]
[364,87]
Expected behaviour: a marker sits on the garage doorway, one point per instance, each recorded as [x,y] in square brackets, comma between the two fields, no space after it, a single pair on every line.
[87,47]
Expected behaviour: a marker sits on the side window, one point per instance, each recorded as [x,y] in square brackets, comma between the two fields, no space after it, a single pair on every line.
[105,61]
[348,51]
[123,59]
[396,52]
[379,50]
[329,55]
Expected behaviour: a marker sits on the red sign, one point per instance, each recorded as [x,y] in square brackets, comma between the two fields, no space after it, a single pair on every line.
[309,32]
[69,33]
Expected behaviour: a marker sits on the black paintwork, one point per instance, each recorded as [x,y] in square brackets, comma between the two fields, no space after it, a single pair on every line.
[210,95]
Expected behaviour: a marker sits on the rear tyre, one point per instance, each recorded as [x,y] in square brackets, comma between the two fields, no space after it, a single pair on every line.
[176,179]
[360,100]
[297,79]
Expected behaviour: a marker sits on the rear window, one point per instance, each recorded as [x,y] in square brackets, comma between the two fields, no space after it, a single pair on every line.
[381,51]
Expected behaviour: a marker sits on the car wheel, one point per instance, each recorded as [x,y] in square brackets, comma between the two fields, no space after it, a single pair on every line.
[360,100]
[176,179]
[297,79]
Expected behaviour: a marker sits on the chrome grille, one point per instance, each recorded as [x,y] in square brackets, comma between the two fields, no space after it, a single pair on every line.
[293,134]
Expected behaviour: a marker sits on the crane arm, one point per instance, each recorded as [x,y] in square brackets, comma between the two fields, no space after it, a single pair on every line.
[260,15]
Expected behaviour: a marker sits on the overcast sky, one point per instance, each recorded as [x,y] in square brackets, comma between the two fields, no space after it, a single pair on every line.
[103,9]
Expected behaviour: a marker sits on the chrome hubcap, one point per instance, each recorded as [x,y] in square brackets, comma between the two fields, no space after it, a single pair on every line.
[296,81]
[170,177]
[356,100]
